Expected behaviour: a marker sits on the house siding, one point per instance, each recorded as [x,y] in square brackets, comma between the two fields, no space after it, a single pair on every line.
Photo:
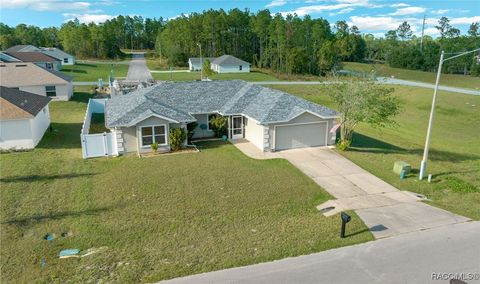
[24,133]
[64,91]
[231,68]
[254,132]
[198,131]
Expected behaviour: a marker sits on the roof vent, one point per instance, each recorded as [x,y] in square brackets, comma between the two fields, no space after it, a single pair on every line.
[21,65]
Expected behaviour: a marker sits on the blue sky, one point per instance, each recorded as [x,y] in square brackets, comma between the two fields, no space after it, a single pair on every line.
[372,16]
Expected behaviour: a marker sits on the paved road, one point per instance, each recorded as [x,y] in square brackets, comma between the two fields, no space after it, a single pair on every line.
[138,70]
[386,210]
[408,258]
[380,80]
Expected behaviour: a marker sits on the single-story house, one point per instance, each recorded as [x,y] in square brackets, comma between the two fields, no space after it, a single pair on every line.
[270,119]
[65,58]
[31,78]
[24,118]
[22,48]
[38,58]
[230,64]
[196,63]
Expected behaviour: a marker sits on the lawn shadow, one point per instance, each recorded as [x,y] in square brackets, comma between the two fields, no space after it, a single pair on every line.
[81,97]
[69,71]
[25,221]
[61,136]
[32,178]
[367,144]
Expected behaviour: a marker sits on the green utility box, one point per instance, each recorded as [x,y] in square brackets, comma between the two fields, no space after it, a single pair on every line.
[400,166]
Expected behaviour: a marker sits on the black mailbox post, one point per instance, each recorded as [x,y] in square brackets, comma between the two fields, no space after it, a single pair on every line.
[345,219]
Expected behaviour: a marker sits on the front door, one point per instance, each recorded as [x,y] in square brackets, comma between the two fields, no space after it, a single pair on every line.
[237,127]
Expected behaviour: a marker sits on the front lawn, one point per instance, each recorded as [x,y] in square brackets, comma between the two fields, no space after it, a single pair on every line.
[189,76]
[158,217]
[454,159]
[454,80]
[91,72]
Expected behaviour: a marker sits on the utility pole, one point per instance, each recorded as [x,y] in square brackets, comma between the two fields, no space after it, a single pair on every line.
[423,31]
[201,62]
[423,165]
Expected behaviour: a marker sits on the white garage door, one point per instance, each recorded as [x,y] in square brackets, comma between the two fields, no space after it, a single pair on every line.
[300,135]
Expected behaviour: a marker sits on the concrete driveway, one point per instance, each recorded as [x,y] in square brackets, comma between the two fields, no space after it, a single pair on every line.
[137,69]
[386,210]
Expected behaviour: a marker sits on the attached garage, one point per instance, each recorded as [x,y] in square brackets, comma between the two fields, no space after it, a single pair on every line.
[300,135]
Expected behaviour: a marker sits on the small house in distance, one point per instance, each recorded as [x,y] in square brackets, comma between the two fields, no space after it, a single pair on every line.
[38,58]
[24,118]
[31,78]
[195,63]
[65,58]
[230,64]
[222,64]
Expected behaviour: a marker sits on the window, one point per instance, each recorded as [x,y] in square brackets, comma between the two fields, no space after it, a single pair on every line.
[210,116]
[152,134]
[240,68]
[49,66]
[65,60]
[51,91]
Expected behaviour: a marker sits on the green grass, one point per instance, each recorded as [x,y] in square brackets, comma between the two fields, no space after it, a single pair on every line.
[91,72]
[188,76]
[159,217]
[97,124]
[453,80]
[454,159]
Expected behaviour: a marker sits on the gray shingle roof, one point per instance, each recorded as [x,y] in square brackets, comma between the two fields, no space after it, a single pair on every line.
[55,53]
[21,47]
[228,60]
[179,101]
[31,103]
[196,60]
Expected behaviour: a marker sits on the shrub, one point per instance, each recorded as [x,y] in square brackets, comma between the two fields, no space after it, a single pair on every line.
[177,137]
[343,145]
[154,147]
[219,125]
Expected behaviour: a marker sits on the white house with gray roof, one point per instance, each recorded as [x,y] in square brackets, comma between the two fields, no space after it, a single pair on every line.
[230,64]
[270,119]
[222,64]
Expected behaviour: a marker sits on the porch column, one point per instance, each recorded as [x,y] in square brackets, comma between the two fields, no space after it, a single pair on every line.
[184,126]
[230,124]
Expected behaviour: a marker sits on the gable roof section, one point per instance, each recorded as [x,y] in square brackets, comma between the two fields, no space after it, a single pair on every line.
[179,101]
[21,48]
[228,60]
[28,74]
[4,57]
[55,53]
[196,60]
[18,104]
[33,56]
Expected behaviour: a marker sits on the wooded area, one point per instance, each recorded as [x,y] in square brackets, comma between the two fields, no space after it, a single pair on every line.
[290,44]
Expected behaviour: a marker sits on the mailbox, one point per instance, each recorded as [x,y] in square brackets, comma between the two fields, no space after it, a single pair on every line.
[345,219]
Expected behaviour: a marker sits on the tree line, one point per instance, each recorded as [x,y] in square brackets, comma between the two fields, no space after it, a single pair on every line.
[290,44]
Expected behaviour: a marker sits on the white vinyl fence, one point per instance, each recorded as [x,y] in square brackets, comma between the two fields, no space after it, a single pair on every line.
[101,144]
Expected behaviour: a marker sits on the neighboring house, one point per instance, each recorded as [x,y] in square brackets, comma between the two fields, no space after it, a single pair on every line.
[22,48]
[24,118]
[230,64]
[7,58]
[196,63]
[38,58]
[29,77]
[270,119]
[65,58]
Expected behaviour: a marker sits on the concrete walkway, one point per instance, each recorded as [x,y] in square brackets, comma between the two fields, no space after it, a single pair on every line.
[386,210]
[137,69]
[409,258]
